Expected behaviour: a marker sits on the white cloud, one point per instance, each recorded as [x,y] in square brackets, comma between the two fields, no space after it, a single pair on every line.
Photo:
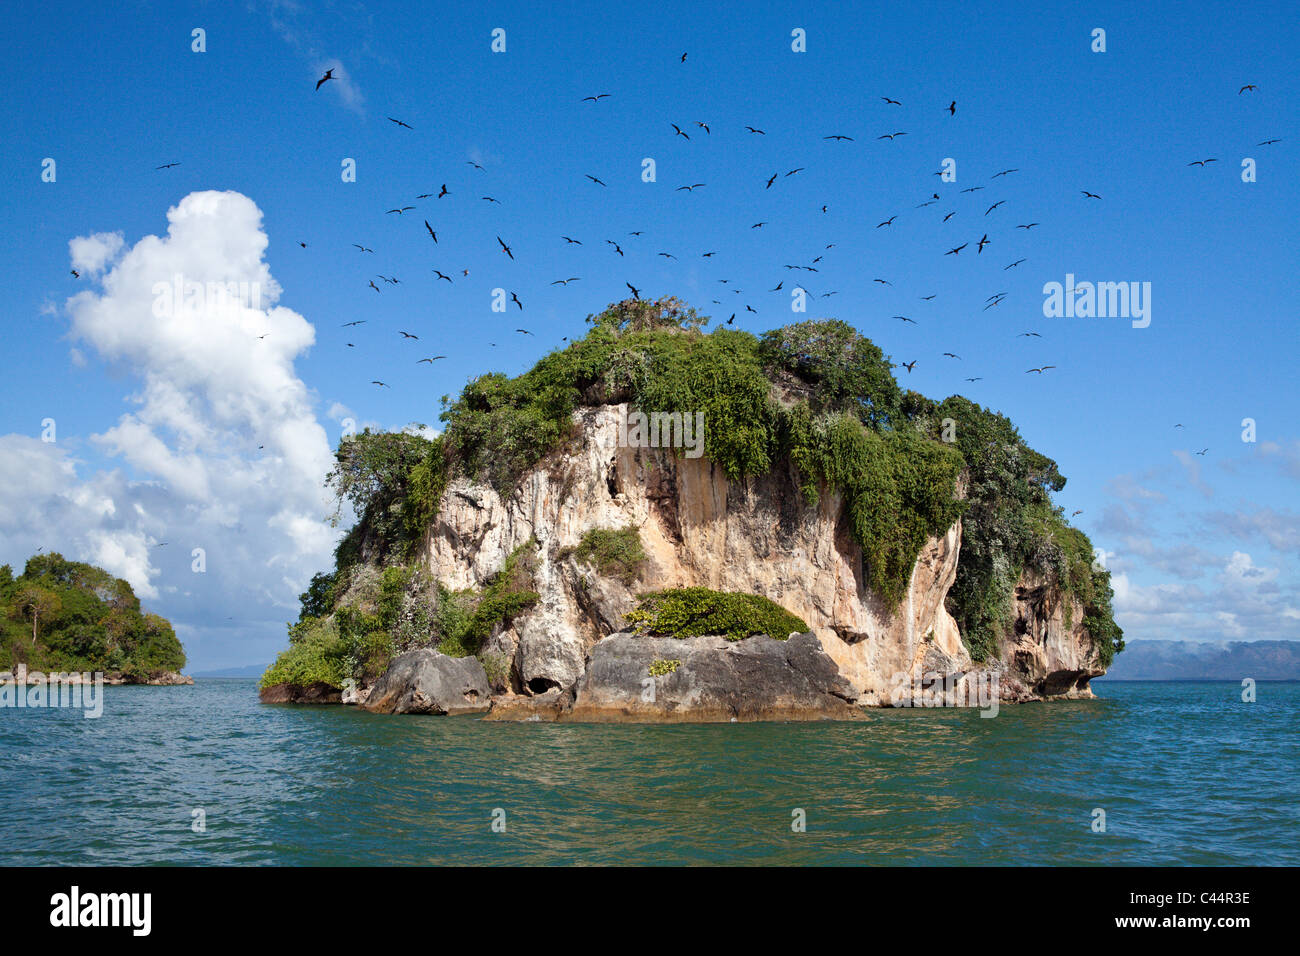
[90,254]
[219,449]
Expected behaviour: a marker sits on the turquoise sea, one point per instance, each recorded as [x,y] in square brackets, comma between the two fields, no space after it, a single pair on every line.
[1186,773]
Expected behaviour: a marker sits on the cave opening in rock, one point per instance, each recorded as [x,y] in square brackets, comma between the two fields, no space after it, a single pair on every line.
[540,685]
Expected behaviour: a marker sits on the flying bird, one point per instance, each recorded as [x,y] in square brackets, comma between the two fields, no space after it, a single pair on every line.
[888,100]
[1039,370]
[407,335]
[1013,265]
[574,242]
[1202,162]
[909,366]
[984,241]
[636,293]
[679,131]
[758,131]
[888,222]
[431,232]
[329,75]
[595,99]
[838,137]
[166,165]
[350,324]
[1005,172]
[430,360]
[1248,86]
[379,383]
[398,122]
[443,191]
[1027,225]
[594,179]
[399,211]
[952,108]
[994,206]
[506,248]
[1089,195]
[953,252]
[515,299]
[363,248]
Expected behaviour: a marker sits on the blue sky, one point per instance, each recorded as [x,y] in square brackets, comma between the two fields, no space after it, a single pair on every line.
[154,444]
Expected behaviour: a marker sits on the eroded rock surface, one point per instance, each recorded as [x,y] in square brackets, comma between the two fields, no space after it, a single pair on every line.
[712,679]
[424,681]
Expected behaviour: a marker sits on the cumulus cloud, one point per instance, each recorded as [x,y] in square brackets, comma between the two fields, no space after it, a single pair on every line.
[218,458]
[90,254]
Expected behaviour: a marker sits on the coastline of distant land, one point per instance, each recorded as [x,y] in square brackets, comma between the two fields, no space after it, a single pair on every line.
[1211,660]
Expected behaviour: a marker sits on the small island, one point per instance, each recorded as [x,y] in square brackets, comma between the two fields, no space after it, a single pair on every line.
[662,523]
[68,617]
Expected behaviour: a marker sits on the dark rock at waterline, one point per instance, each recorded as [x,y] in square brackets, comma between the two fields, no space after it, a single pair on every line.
[758,678]
[316,693]
[425,681]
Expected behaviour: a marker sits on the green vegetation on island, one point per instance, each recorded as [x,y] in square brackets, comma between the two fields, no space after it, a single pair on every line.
[693,612]
[815,397]
[66,616]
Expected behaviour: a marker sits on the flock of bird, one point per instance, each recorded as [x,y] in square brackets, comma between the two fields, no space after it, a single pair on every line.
[992,227]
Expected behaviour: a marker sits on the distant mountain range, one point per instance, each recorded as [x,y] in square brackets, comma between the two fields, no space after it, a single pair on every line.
[250,670]
[1188,660]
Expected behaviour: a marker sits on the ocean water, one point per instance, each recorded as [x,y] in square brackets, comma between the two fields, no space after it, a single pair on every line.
[1186,774]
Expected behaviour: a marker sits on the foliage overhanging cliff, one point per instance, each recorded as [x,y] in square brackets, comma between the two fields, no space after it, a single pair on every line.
[815,397]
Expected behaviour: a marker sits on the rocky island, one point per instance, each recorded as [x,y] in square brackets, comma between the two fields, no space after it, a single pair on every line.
[663,523]
[73,619]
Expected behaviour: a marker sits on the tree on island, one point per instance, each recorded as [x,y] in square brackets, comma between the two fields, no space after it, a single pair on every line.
[82,619]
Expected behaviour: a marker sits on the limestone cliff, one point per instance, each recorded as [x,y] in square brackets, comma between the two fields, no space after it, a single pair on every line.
[700,529]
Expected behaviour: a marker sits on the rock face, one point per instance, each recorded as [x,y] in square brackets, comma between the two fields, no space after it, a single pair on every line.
[317,693]
[424,681]
[714,679]
[700,529]
[1047,656]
